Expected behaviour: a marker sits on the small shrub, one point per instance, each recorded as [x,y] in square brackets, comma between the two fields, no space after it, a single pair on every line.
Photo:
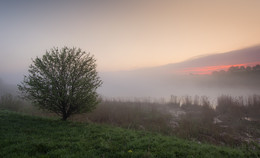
[9,102]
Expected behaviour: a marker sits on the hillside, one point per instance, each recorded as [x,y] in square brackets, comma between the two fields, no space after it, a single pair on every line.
[27,136]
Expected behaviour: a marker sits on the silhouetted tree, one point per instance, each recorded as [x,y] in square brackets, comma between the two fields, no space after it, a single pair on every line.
[242,68]
[233,69]
[248,68]
[256,68]
[62,81]
[238,70]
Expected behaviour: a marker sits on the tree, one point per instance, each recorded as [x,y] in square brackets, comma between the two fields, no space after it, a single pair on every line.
[62,81]
[233,69]
[248,68]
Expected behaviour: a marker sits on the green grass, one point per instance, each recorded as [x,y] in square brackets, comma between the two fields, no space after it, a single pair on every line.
[28,136]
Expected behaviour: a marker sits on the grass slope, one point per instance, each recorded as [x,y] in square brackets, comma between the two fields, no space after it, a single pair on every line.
[28,136]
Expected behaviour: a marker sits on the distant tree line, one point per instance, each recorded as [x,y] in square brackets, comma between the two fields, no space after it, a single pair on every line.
[239,70]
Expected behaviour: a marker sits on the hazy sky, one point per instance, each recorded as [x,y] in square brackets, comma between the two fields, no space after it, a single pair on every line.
[125,34]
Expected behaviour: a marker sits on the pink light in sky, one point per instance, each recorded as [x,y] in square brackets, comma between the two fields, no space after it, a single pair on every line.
[209,69]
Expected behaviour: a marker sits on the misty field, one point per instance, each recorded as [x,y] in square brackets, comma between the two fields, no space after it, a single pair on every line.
[29,136]
[136,78]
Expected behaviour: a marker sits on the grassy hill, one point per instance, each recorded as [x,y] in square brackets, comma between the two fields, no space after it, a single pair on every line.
[28,136]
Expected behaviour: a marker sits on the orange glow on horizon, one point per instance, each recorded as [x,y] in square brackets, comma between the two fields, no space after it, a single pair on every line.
[209,69]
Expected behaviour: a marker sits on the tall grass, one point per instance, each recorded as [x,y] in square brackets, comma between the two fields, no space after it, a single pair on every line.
[192,118]
[9,102]
[132,115]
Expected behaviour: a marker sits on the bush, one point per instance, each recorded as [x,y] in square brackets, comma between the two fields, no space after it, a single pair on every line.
[9,102]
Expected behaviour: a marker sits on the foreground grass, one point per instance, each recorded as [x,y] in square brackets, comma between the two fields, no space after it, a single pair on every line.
[28,136]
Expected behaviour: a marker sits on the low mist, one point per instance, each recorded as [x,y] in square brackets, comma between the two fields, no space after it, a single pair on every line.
[146,83]
[138,84]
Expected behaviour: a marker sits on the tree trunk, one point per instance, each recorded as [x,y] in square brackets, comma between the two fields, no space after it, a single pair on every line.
[64,117]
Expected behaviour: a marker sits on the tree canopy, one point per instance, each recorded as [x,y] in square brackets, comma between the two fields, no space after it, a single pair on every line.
[63,81]
[239,70]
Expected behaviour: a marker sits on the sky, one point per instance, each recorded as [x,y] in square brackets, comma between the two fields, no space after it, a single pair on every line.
[125,35]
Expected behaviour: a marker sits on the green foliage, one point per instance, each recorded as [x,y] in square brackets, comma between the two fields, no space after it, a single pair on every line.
[62,81]
[27,136]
